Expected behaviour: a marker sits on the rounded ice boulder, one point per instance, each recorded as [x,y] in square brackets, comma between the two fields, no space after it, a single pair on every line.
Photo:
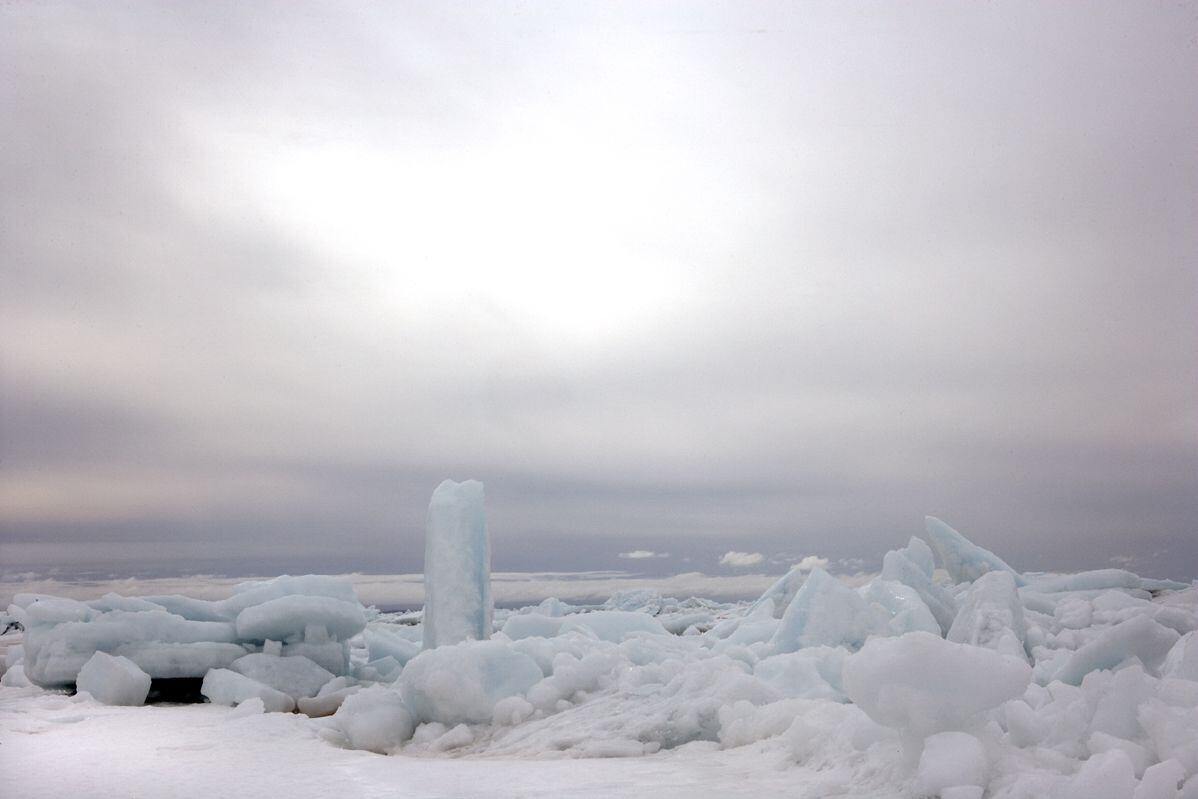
[462,683]
[113,680]
[293,616]
[374,719]
[921,684]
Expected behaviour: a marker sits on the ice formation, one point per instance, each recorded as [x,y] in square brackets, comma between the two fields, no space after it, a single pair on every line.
[948,674]
[457,566]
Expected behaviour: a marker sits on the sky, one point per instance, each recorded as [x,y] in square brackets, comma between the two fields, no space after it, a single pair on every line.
[677,281]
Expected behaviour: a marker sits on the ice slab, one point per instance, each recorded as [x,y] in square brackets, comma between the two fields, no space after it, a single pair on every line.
[225,687]
[903,605]
[293,616]
[899,568]
[826,612]
[992,616]
[962,559]
[114,680]
[296,676]
[1139,637]
[457,566]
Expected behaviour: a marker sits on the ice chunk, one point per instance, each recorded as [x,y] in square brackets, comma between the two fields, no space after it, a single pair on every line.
[812,673]
[1182,661]
[992,616]
[1086,581]
[325,704]
[902,603]
[780,593]
[532,625]
[332,656]
[920,684]
[1173,732]
[963,560]
[1137,637]
[639,600]
[382,642]
[55,651]
[899,568]
[461,683]
[225,687]
[375,719]
[613,625]
[295,676]
[1161,781]
[14,677]
[258,592]
[457,566]
[164,661]
[1140,757]
[919,553]
[292,616]
[1104,776]
[114,680]
[825,611]
[950,759]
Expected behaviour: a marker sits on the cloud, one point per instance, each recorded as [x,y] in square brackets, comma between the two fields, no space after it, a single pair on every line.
[740,560]
[243,327]
[811,562]
[641,554]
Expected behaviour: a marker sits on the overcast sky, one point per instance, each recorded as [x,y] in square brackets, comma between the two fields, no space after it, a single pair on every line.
[674,277]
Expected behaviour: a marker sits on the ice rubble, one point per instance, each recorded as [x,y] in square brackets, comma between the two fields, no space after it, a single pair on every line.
[966,681]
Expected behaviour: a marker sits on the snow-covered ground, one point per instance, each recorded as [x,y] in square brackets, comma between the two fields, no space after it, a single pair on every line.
[948,674]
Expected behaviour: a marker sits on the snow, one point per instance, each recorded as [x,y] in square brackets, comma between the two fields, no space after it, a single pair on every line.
[114,680]
[824,686]
[457,566]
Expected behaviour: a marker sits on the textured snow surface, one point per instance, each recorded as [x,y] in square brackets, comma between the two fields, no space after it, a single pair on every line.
[947,675]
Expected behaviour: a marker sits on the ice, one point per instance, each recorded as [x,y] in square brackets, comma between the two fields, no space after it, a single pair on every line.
[827,612]
[172,637]
[921,684]
[898,567]
[532,625]
[56,650]
[1105,776]
[457,566]
[779,595]
[114,680]
[375,719]
[1085,581]
[296,676]
[225,687]
[1139,637]
[296,616]
[173,661]
[463,682]
[613,625]
[962,559]
[812,673]
[1182,661]
[951,759]
[906,610]
[991,616]
[1161,781]
[383,642]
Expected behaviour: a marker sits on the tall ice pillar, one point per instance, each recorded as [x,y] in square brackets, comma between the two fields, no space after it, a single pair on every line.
[457,566]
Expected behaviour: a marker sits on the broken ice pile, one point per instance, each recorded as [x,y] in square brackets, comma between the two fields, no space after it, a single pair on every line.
[280,640]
